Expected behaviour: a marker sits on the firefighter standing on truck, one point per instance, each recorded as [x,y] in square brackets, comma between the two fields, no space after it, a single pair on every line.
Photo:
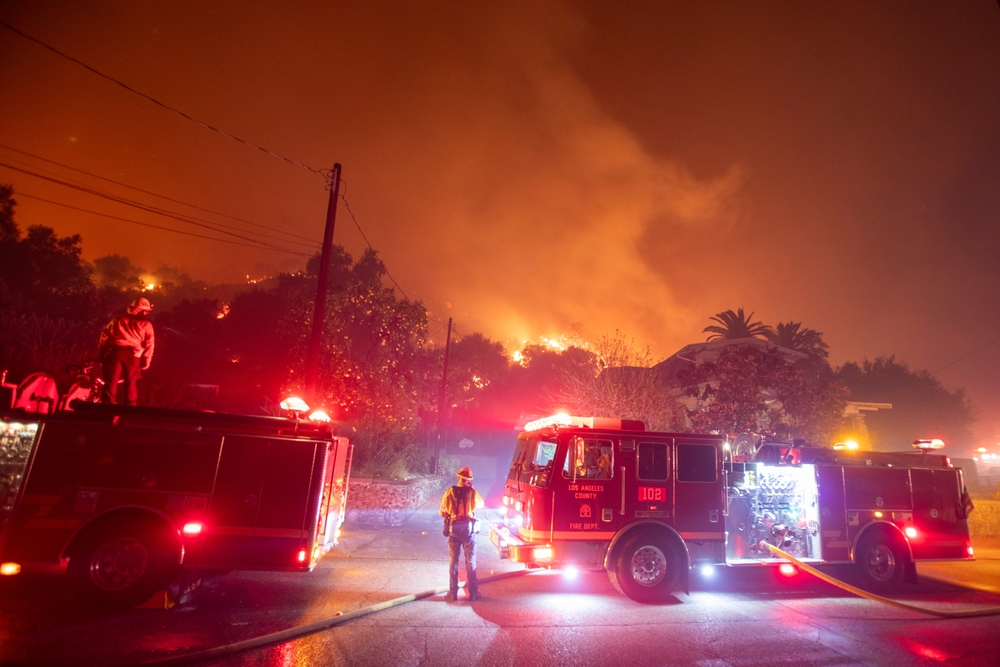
[458,507]
[126,346]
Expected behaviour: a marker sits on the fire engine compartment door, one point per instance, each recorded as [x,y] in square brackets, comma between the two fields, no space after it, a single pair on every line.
[235,501]
[833,514]
[698,490]
[585,489]
[938,514]
[265,503]
[35,528]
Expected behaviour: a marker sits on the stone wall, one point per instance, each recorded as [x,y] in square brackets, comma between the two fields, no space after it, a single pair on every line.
[985,519]
[390,502]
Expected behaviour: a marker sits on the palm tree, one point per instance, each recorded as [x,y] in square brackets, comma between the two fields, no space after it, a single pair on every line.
[736,325]
[790,335]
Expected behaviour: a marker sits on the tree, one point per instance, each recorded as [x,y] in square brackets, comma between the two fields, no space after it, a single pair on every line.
[791,336]
[735,325]
[9,231]
[921,406]
[754,389]
[619,383]
[118,273]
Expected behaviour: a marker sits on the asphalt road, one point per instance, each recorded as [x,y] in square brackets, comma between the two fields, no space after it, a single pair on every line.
[542,618]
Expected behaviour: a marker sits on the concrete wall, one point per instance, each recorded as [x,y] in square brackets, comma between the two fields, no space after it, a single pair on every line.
[390,502]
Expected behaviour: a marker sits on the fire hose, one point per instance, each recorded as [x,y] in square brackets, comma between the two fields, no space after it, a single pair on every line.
[298,631]
[940,613]
[324,624]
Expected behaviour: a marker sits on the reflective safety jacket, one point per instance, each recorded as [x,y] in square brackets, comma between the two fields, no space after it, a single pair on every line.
[461,502]
[129,331]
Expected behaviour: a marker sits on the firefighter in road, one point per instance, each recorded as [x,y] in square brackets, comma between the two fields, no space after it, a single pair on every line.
[458,507]
[126,346]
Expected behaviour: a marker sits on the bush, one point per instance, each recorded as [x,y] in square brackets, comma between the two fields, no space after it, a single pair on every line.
[386,453]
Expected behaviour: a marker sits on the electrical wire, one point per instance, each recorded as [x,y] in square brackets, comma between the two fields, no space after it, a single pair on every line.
[147,224]
[325,173]
[154,194]
[356,224]
[321,172]
[150,209]
[978,349]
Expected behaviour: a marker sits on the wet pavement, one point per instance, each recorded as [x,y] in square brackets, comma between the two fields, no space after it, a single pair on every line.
[736,618]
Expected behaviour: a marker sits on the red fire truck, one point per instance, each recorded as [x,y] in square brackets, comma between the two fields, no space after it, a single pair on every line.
[594,493]
[129,496]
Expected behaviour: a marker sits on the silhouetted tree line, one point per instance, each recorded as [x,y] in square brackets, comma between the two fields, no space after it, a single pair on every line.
[242,348]
[736,392]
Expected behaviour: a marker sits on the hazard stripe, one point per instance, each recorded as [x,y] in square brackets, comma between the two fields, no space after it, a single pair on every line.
[703,536]
[240,531]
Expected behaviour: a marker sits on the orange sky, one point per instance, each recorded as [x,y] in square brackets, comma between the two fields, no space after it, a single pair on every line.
[539,168]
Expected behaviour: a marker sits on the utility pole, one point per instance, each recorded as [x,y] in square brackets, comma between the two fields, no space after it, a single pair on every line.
[322,284]
[444,383]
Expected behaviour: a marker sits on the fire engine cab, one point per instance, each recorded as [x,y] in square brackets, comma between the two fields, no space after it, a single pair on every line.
[126,497]
[593,493]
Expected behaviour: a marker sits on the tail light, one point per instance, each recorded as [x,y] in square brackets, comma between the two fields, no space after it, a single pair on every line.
[302,556]
[193,528]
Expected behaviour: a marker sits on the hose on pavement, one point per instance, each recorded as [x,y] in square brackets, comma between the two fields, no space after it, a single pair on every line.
[940,613]
[308,629]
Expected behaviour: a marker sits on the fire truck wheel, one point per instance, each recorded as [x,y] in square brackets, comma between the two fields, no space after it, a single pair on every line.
[120,565]
[881,562]
[646,568]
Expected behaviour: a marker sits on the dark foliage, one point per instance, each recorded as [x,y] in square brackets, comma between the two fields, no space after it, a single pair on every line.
[921,406]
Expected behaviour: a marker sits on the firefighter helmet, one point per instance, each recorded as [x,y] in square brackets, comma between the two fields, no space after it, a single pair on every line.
[141,304]
[464,472]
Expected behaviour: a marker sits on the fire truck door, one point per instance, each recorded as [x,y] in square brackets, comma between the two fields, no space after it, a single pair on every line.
[235,501]
[290,499]
[586,491]
[698,492]
[938,514]
[833,514]
[648,488]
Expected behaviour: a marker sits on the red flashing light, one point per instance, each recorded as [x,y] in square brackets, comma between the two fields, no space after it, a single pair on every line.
[787,569]
[970,550]
[302,556]
[294,404]
[193,528]
[320,416]
[911,532]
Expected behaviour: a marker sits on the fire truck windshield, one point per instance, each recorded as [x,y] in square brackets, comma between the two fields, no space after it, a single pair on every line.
[535,464]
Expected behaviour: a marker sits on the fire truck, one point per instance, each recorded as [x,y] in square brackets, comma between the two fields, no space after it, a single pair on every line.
[127,497]
[648,507]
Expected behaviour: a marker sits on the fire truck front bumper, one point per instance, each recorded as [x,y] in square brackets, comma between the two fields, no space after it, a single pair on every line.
[513,548]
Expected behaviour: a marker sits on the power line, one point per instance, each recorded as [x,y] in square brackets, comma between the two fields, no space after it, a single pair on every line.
[978,349]
[150,209]
[155,101]
[343,196]
[147,224]
[155,194]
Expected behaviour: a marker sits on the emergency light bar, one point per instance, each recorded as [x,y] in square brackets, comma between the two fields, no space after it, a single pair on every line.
[554,420]
[589,422]
[925,445]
